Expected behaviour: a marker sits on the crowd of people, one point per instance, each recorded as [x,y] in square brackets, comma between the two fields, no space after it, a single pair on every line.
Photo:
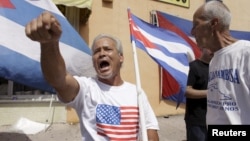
[217,88]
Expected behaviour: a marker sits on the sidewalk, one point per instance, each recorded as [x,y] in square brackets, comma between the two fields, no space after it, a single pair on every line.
[172,128]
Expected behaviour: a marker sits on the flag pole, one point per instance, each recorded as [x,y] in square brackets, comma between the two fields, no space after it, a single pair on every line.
[143,131]
[139,94]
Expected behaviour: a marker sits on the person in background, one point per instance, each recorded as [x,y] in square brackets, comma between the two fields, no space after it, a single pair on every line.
[107,105]
[228,97]
[196,97]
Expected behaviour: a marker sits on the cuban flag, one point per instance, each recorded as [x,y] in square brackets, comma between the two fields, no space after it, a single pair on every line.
[20,56]
[182,27]
[117,123]
[170,22]
[168,49]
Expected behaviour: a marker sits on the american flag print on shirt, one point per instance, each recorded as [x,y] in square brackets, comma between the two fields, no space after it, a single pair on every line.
[118,123]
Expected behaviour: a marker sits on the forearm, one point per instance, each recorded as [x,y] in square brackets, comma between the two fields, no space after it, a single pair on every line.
[152,135]
[195,94]
[52,63]
[46,30]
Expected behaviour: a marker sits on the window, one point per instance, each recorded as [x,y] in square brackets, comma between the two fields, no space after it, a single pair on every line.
[12,92]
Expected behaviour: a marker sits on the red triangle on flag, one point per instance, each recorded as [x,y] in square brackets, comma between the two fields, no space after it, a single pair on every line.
[6,4]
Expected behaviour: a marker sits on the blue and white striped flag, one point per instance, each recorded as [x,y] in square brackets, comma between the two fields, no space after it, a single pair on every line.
[183,27]
[165,47]
[20,56]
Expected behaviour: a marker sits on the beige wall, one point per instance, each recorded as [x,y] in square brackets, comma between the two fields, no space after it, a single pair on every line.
[112,18]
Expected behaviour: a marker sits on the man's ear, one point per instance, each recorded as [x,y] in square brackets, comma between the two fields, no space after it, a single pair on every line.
[121,57]
[214,22]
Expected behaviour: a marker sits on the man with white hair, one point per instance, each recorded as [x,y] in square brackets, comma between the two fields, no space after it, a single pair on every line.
[228,98]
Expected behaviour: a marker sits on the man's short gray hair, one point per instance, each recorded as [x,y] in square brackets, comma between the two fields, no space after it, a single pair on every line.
[217,9]
[117,42]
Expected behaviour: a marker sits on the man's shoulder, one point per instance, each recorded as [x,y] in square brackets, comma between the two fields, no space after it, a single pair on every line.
[194,62]
[130,84]
[85,78]
[244,43]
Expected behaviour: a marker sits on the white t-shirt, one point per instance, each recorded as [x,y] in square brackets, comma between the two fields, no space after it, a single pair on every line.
[228,99]
[110,112]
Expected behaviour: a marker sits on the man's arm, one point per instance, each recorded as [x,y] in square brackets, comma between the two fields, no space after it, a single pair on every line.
[152,135]
[194,93]
[46,30]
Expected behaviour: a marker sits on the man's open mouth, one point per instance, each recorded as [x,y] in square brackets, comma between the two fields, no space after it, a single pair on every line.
[103,64]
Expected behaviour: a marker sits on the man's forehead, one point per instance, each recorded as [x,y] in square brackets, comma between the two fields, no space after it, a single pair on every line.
[104,42]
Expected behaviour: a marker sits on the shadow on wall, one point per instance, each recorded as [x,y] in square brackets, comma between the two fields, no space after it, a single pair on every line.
[7,136]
